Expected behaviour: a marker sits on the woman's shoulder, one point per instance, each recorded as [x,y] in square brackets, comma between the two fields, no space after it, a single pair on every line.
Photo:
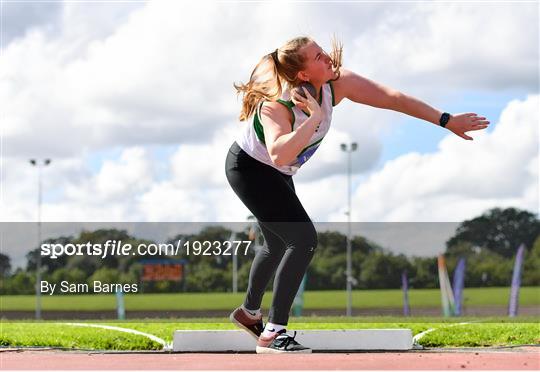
[277,110]
[340,84]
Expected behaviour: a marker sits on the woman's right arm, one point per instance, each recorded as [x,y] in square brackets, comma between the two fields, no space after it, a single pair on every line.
[283,144]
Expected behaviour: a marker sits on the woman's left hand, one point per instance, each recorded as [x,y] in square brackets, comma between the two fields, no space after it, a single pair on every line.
[461,123]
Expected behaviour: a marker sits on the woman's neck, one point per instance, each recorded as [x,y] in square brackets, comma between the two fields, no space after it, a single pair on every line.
[317,90]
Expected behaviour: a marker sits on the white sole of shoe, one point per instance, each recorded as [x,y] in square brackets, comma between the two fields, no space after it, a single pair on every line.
[240,325]
[267,350]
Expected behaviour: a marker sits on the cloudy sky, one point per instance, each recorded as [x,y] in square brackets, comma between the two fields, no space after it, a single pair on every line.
[134,104]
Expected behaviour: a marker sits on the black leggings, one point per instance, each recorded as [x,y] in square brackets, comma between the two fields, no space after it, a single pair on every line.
[289,233]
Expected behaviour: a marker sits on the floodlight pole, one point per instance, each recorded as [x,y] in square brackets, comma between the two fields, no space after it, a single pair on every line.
[36,163]
[349,150]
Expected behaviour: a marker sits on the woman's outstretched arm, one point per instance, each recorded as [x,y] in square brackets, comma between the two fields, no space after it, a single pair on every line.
[361,90]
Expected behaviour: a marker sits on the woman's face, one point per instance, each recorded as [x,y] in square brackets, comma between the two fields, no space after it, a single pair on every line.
[318,65]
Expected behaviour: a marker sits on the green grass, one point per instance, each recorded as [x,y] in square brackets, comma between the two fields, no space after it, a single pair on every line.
[64,336]
[484,335]
[496,296]
[500,331]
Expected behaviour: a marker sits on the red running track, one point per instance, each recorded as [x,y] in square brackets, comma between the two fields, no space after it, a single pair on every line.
[526,358]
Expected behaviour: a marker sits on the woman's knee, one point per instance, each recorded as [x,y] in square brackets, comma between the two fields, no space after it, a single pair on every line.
[304,236]
[295,234]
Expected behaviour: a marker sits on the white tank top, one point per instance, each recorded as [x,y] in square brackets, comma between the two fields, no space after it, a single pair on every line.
[251,138]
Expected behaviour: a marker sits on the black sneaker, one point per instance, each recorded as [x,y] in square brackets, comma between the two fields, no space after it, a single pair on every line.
[252,326]
[280,343]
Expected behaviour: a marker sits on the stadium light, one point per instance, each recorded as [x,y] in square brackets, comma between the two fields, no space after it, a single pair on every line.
[350,280]
[36,163]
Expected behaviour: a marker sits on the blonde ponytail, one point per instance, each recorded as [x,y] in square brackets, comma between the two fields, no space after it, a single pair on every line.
[263,84]
[270,75]
[337,56]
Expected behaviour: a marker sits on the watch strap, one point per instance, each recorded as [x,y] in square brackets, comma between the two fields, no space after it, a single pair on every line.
[445,118]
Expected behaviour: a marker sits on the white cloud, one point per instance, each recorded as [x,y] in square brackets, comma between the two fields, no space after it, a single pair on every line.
[460,180]
[162,73]
[19,17]
[117,181]
[463,178]
[445,47]
[330,160]
[128,188]
[160,77]
[197,189]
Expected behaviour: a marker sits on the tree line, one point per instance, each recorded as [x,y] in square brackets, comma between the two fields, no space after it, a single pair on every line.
[488,243]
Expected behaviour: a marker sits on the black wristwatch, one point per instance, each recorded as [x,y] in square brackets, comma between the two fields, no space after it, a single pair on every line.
[445,117]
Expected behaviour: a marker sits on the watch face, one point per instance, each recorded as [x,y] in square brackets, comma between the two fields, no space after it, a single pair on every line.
[444,119]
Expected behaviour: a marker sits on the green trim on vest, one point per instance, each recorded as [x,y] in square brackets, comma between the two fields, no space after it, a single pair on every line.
[307,147]
[332,90]
[259,131]
[289,105]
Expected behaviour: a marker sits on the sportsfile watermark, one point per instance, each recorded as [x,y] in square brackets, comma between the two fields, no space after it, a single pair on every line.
[119,248]
[392,265]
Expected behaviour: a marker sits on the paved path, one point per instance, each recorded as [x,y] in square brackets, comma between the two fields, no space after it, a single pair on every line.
[524,358]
